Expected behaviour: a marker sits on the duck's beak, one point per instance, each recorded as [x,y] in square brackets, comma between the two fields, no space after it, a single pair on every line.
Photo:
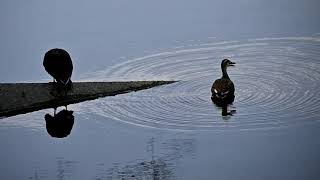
[232,63]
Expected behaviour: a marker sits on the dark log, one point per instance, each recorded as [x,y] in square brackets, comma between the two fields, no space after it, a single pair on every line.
[19,98]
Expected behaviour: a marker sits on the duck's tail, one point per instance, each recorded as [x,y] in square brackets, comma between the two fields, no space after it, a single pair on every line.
[220,99]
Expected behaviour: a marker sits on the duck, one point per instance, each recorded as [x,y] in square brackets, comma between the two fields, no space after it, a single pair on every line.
[57,62]
[223,89]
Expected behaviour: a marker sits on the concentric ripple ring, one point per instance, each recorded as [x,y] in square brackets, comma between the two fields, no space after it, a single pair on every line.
[276,80]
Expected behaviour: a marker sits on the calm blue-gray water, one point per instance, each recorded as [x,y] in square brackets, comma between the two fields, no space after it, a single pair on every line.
[172,131]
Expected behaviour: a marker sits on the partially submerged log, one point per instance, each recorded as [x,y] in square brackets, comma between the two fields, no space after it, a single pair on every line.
[19,98]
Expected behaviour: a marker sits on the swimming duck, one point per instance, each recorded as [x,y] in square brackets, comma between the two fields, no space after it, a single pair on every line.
[58,64]
[223,89]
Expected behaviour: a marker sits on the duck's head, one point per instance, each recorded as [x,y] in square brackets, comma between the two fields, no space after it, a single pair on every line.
[226,63]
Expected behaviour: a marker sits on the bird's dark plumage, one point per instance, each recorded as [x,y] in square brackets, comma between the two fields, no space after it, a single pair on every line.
[58,64]
[223,89]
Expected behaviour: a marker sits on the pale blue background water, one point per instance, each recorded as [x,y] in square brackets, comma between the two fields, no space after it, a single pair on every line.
[100,33]
[272,136]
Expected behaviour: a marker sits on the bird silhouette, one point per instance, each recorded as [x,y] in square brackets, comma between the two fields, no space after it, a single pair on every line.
[222,89]
[58,63]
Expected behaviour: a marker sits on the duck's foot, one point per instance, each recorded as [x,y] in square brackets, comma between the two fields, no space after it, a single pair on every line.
[225,111]
[231,112]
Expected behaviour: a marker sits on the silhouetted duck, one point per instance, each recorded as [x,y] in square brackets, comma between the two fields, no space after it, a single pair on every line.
[58,64]
[223,89]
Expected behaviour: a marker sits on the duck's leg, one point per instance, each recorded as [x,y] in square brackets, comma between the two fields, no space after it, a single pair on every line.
[225,111]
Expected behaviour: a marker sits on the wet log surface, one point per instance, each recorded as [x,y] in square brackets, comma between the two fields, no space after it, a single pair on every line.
[19,98]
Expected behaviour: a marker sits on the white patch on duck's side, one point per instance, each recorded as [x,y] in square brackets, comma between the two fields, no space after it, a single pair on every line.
[222,93]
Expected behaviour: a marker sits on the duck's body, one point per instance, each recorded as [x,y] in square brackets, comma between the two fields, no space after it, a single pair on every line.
[223,89]
[58,64]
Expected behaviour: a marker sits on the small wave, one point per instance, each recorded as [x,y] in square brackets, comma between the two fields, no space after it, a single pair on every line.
[276,83]
[276,80]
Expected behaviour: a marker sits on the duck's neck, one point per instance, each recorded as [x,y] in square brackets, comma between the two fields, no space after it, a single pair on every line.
[224,72]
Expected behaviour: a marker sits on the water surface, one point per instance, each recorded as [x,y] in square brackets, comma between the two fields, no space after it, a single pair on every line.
[276,85]
[175,131]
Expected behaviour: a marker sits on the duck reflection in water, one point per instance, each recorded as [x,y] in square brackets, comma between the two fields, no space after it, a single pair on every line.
[224,108]
[59,125]
[223,89]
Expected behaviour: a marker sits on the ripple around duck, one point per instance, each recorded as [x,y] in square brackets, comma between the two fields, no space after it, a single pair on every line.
[276,80]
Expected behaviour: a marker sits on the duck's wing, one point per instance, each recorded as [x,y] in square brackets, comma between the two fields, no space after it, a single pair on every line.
[222,87]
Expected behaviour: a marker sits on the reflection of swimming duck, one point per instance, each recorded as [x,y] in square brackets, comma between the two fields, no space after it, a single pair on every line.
[223,89]
[58,64]
[60,125]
